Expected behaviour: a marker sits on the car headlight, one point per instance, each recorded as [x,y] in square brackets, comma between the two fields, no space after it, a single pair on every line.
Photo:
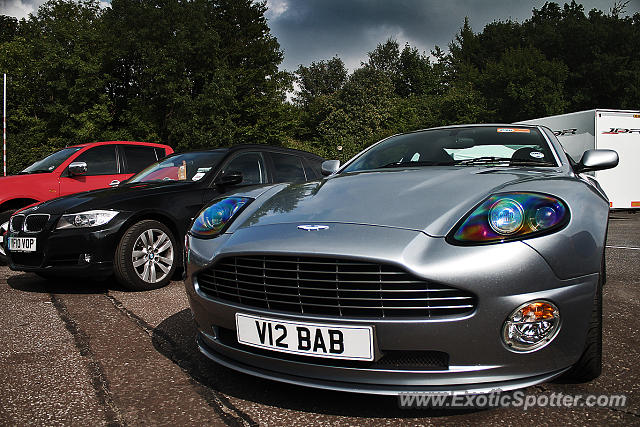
[86,219]
[214,219]
[511,216]
[531,326]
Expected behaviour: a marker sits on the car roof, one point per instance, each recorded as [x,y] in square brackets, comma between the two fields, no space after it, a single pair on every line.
[93,144]
[248,147]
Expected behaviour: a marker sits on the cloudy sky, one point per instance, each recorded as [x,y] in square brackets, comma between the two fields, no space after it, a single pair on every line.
[312,30]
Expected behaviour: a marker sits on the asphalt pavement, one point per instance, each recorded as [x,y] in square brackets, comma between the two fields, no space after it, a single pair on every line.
[81,352]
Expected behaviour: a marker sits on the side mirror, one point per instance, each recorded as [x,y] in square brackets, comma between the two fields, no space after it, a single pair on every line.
[329,167]
[77,168]
[229,178]
[597,160]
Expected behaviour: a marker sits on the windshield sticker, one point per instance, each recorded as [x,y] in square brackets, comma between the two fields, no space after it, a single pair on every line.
[182,171]
[536,154]
[197,176]
[513,130]
[203,170]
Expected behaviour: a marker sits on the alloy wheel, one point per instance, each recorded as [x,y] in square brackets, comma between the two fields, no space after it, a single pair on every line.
[152,255]
[3,230]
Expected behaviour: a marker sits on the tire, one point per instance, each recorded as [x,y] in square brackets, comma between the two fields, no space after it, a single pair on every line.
[4,222]
[589,366]
[146,257]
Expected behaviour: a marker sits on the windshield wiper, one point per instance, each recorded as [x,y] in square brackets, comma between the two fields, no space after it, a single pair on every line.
[411,164]
[489,160]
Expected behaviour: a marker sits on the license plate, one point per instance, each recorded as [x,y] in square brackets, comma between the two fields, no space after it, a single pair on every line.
[309,339]
[22,244]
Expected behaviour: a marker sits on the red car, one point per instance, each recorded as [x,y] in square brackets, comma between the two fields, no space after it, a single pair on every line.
[74,169]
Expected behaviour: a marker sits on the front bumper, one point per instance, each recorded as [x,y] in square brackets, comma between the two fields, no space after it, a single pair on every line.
[501,276]
[63,251]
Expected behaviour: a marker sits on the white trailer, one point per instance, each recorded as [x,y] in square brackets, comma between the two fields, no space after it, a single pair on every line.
[613,129]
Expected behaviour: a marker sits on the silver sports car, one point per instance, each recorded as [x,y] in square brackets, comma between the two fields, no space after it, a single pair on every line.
[462,258]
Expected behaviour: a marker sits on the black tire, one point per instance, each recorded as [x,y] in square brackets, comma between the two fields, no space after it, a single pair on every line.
[129,275]
[4,217]
[589,366]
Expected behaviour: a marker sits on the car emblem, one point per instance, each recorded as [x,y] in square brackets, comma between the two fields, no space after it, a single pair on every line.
[313,227]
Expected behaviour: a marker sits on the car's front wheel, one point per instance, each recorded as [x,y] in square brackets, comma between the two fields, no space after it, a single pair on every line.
[4,228]
[146,256]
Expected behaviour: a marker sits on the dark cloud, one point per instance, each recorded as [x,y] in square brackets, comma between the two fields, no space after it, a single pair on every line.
[312,30]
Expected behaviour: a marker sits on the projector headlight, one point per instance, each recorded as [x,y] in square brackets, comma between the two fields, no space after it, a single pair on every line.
[86,219]
[214,219]
[511,216]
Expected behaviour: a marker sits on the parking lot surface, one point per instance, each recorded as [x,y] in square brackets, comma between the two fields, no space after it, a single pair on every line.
[80,352]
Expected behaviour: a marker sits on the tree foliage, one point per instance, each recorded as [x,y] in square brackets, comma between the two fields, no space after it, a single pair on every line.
[204,73]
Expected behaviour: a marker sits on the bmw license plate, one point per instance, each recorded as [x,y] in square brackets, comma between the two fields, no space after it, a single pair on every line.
[22,244]
[304,338]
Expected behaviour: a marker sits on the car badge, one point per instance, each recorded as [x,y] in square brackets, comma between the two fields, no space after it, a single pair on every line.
[313,227]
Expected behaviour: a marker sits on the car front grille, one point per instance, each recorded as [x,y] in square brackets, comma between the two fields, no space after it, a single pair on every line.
[17,221]
[35,223]
[330,286]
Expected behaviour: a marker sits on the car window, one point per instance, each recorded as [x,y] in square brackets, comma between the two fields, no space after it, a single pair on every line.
[465,145]
[160,153]
[287,168]
[100,160]
[137,157]
[180,167]
[252,167]
[51,162]
[313,168]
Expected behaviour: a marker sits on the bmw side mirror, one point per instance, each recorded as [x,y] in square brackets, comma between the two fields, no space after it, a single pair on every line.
[597,160]
[329,167]
[77,168]
[229,178]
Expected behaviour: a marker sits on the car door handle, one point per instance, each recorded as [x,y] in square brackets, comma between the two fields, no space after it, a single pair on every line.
[114,183]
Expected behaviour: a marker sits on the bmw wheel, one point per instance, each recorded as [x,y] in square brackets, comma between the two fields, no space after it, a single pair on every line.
[4,227]
[146,256]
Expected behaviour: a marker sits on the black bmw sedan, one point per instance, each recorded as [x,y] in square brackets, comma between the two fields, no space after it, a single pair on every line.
[136,230]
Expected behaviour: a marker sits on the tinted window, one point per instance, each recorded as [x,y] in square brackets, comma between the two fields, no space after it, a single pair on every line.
[251,166]
[160,153]
[137,158]
[287,168]
[52,161]
[100,160]
[313,168]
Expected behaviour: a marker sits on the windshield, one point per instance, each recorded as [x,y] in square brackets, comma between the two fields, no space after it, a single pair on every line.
[463,146]
[51,162]
[181,167]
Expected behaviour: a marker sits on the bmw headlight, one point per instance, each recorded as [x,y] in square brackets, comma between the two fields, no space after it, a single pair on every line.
[86,219]
[213,220]
[511,216]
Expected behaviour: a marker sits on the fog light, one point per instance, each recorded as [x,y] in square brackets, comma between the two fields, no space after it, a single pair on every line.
[531,326]
[86,258]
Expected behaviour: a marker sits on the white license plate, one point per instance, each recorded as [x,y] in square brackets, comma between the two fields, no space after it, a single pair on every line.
[309,339]
[22,244]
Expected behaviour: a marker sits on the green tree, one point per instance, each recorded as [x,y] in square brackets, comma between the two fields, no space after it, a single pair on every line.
[322,78]
[524,84]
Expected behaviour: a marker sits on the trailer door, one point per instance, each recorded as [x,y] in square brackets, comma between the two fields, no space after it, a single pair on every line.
[620,131]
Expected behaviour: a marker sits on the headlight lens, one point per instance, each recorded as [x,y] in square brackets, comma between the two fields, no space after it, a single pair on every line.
[212,221]
[531,326]
[511,216]
[86,219]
